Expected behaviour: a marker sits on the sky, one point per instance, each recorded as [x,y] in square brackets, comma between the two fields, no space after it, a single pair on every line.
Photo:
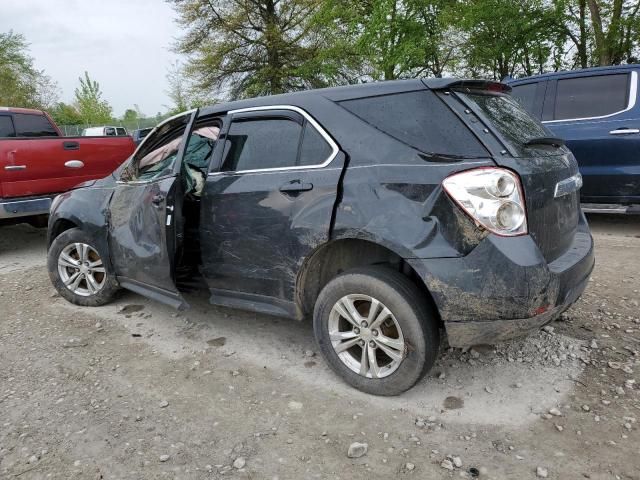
[124,44]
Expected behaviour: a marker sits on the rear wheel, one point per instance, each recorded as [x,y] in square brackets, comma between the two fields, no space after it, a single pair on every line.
[376,330]
[78,271]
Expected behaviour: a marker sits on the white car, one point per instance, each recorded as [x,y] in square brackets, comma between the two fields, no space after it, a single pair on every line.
[105,132]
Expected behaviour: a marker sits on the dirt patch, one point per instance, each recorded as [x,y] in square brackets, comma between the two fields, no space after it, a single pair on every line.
[81,398]
[453,403]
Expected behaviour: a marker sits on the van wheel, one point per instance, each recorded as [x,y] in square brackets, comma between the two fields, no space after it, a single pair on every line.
[77,270]
[376,330]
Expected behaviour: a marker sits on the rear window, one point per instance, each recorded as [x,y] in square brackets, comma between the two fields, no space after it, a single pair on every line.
[6,127]
[512,121]
[420,120]
[29,125]
[586,97]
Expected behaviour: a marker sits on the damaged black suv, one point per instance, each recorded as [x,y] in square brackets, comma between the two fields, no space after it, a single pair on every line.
[389,212]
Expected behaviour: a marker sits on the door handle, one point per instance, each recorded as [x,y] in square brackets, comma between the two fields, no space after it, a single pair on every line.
[624,131]
[296,186]
[71,145]
[157,199]
[74,164]
[15,167]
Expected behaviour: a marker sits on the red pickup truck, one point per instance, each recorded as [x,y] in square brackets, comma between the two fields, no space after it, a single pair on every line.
[37,162]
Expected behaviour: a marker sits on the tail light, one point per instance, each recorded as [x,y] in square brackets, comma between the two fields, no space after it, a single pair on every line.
[492,197]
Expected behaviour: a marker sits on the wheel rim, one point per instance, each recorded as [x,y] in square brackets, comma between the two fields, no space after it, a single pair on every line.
[366,336]
[81,269]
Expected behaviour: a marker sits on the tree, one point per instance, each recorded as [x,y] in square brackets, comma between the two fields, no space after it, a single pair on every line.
[92,108]
[65,114]
[389,39]
[130,116]
[506,37]
[21,84]
[614,28]
[242,48]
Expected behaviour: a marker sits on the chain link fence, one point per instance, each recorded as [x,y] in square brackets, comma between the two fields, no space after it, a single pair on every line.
[76,130]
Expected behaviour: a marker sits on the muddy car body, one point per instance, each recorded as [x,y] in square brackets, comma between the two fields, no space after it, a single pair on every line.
[386,211]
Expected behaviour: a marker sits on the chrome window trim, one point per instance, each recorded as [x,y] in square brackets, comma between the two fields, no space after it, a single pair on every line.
[334,146]
[633,94]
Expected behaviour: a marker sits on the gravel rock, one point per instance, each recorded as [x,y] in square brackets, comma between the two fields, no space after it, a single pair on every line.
[447,464]
[163,404]
[457,462]
[164,458]
[542,472]
[357,450]
[239,463]
[555,412]
[409,467]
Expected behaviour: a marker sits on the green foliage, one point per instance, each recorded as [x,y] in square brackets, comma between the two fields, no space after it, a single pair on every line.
[130,116]
[92,108]
[65,114]
[21,84]
[241,48]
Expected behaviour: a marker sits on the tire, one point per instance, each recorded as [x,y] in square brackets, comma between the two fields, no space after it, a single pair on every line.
[412,330]
[85,293]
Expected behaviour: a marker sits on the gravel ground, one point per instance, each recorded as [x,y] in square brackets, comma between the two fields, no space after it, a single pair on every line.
[135,390]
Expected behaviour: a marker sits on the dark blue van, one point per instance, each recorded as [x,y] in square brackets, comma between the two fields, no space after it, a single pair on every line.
[596,112]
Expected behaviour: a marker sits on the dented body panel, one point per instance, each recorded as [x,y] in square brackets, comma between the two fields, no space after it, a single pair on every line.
[268,246]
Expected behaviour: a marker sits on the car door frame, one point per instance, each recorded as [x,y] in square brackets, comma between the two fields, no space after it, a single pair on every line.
[171,220]
[273,305]
[606,124]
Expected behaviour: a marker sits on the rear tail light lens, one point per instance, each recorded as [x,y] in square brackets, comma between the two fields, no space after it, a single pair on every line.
[492,197]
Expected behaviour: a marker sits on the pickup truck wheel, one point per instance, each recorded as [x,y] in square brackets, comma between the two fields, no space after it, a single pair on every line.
[77,270]
[376,330]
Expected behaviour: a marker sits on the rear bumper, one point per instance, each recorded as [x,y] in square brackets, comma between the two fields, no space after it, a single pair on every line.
[24,207]
[505,288]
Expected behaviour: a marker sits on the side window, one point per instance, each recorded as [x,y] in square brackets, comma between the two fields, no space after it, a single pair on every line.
[122,132]
[110,131]
[33,125]
[525,95]
[314,149]
[418,119]
[262,143]
[585,97]
[159,154]
[6,127]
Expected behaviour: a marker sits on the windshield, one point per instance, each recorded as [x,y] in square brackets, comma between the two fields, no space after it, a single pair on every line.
[513,122]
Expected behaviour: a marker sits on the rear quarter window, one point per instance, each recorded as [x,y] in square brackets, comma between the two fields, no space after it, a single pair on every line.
[419,119]
[32,125]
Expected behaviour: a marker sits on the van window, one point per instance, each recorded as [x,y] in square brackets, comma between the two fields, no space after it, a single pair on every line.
[264,143]
[33,125]
[515,125]
[525,95]
[419,119]
[586,97]
[6,127]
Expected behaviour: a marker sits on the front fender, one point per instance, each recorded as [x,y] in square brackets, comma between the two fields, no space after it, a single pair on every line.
[84,208]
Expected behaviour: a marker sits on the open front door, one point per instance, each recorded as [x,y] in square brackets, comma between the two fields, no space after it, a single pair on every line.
[145,214]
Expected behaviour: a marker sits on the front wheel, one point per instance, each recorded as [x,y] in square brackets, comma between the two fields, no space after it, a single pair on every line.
[376,330]
[78,271]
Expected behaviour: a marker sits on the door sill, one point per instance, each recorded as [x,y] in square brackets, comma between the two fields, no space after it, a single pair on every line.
[173,299]
[255,303]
